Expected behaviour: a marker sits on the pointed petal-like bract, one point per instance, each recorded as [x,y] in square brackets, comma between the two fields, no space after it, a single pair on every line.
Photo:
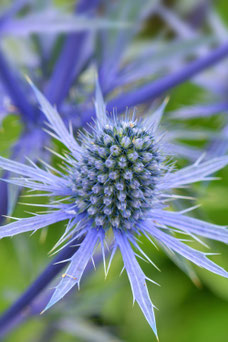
[137,279]
[193,173]
[49,189]
[57,123]
[36,174]
[76,268]
[32,223]
[197,257]
[219,147]
[191,225]
[189,152]
[204,110]
[100,106]
[59,24]
[153,121]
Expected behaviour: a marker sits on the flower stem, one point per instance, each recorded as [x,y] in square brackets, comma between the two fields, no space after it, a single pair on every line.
[66,69]
[39,284]
[13,87]
[74,55]
[152,90]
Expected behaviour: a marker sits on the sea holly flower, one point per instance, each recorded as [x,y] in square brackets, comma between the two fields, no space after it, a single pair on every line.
[77,55]
[115,178]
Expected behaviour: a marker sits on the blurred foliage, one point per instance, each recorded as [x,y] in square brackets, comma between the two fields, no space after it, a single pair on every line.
[186,313]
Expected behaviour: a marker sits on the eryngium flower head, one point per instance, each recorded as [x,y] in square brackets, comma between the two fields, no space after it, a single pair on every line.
[116,176]
[117,179]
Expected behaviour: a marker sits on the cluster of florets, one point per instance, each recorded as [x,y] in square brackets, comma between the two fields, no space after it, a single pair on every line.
[116,177]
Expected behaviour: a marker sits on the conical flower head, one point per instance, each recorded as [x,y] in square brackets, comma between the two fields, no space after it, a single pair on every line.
[116,176]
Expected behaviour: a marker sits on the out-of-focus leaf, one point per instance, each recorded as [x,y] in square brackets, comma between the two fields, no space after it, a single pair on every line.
[48,23]
[86,331]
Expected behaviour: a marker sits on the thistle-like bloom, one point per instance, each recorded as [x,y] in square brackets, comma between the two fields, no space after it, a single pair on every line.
[115,179]
[123,69]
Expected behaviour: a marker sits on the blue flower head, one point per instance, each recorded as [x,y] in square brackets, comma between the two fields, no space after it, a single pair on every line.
[115,178]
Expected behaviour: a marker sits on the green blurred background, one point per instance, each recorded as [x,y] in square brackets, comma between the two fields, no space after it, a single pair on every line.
[187,313]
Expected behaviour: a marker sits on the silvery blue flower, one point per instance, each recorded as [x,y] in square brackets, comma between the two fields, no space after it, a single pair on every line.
[117,68]
[115,181]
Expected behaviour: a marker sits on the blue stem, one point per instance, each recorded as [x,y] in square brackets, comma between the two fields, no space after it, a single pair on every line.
[39,284]
[40,302]
[14,90]
[152,90]
[66,68]
[72,59]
